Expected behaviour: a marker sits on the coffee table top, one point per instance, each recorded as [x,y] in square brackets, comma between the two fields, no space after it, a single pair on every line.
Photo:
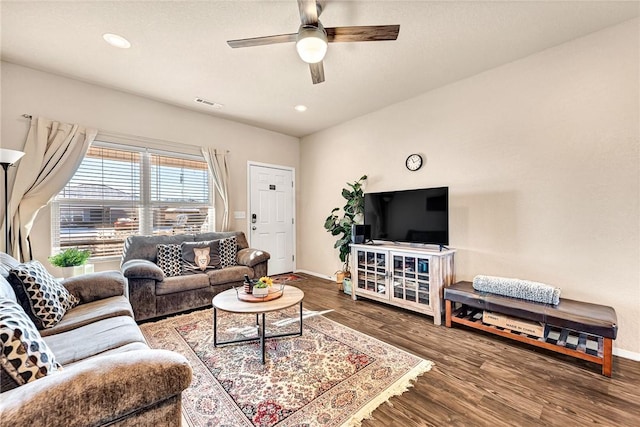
[228,301]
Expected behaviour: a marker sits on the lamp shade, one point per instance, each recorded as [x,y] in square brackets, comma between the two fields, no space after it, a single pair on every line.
[10,156]
[311,44]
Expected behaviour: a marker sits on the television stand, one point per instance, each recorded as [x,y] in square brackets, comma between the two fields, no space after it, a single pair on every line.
[409,277]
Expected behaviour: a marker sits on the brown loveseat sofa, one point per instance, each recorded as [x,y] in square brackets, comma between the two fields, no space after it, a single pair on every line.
[153,294]
[109,375]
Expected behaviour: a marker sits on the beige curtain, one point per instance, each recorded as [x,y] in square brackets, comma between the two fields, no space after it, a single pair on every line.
[53,153]
[217,161]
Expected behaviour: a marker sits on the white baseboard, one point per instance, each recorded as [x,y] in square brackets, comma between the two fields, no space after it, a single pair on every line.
[313,273]
[626,354]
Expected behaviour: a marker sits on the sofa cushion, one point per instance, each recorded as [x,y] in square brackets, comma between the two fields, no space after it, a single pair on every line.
[229,274]
[43,297]
[144,247]
[170,259]
[241,239]
[122,349]
[6,291]
[200,256]
[91,312]
[7,262]
[172,285]
[24,355]
[228,251]
[94,338]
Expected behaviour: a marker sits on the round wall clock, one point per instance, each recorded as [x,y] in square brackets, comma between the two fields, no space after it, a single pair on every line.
[414,162]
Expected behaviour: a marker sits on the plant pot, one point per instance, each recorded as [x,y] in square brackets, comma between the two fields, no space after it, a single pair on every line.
[260,292]
[72,271]
[346,284]
[339,279]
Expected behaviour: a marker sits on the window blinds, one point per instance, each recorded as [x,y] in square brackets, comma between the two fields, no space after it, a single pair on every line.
[118,192]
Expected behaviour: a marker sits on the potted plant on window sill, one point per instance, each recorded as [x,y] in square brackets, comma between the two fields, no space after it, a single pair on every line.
[341,226]
[71,261]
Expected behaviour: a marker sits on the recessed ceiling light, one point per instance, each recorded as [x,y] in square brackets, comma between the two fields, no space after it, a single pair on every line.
[301,108]
[116,41]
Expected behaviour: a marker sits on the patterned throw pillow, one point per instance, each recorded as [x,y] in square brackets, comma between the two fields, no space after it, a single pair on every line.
[24,355]
[228,251]
[43,297]
[200,256]
[169,259]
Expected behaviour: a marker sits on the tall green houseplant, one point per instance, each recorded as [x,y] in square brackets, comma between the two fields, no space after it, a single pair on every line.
[341,226]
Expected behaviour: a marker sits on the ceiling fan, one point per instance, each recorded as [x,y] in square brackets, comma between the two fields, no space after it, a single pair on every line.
[312,38]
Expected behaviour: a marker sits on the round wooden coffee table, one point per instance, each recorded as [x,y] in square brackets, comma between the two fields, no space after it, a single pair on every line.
[228,301]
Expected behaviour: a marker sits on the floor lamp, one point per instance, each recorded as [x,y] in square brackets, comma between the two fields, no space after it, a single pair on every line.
[7,158]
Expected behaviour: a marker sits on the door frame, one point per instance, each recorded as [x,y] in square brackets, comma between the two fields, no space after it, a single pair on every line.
[293,204]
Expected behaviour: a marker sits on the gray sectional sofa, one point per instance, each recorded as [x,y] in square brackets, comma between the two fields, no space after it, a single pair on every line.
[109,375]
[153,294]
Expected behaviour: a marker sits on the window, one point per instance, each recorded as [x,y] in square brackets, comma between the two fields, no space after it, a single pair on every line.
[120,191]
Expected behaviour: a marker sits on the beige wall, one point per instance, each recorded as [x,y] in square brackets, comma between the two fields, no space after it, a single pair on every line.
[25,90]
[542,161]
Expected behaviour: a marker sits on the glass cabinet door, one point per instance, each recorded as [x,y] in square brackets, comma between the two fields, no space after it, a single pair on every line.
[372,271]
[410,279]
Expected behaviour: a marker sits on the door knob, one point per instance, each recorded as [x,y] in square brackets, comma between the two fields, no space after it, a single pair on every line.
[254,228]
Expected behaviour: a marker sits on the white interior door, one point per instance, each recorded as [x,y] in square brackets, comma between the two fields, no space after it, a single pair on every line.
[271,224]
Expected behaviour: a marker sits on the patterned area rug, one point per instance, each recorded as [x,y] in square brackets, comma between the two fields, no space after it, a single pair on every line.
[287,278]
[330,376]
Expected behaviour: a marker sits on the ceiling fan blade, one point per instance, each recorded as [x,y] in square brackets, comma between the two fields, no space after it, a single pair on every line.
[317,72]
[362,33]
[308,12]
[261,41]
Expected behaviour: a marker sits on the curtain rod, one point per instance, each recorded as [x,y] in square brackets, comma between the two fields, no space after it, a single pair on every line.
[135,137]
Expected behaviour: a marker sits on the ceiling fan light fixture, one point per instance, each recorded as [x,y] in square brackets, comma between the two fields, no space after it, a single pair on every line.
[311,43]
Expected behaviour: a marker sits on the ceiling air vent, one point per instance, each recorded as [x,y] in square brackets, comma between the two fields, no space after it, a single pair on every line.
[209,103]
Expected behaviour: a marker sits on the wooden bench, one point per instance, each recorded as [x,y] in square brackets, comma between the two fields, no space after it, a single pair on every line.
[579,329]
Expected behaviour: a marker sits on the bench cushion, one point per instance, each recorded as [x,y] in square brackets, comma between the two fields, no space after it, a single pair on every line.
[585,317]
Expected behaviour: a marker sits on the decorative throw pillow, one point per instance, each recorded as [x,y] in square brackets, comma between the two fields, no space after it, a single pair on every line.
[43,297]
[24,355]
[228,251]
[200,256]
[170,259]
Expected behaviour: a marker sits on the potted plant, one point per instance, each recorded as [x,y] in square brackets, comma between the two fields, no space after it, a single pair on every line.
[340,226]
[71,261]
[261,287]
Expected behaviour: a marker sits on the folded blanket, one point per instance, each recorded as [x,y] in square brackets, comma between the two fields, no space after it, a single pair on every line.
[516,288]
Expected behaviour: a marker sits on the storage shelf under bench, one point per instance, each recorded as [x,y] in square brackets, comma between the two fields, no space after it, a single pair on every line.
[587,347]
[579,329]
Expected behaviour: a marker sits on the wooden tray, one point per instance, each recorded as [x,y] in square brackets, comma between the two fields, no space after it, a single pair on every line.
[269,297]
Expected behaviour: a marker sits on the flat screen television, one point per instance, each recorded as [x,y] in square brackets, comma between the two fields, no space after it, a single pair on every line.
[412,216]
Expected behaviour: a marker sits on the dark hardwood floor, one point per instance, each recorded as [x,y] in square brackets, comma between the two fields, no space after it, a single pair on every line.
[480,379]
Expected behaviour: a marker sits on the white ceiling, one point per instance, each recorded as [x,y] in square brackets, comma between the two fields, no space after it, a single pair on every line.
[179,50]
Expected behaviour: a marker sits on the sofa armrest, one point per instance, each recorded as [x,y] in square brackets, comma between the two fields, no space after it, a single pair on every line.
[96,286]
[98,391]
[251,257]
[142,269]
